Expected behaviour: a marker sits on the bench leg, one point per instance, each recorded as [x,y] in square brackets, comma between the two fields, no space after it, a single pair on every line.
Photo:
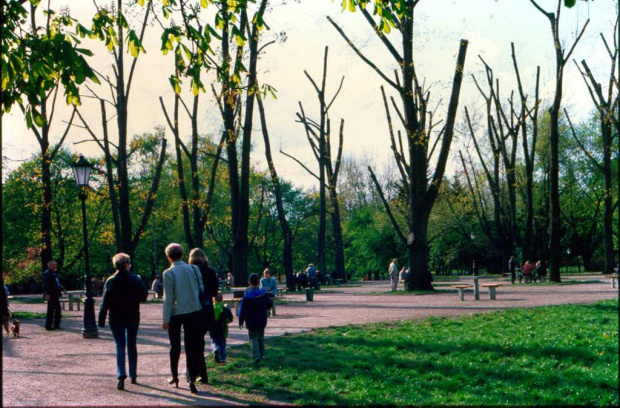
[77,304]
[273,309]
[492,293]
[70,304]
[613,283]
[461,294]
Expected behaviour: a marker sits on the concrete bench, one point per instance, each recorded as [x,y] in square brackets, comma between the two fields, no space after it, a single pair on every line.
[461,289]
[614,280]
[70,302]
[492,287]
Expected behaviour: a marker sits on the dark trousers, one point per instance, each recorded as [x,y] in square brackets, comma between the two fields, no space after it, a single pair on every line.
[125,335]
[513,276]
[53,313]
[257,338]
[193,331]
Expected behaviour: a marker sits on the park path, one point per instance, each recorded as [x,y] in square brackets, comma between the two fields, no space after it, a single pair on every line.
[61,369]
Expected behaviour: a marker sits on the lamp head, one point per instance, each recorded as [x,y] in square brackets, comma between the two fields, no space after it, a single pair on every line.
[81,171]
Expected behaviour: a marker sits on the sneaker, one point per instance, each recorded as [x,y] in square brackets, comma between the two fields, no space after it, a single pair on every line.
[216,357]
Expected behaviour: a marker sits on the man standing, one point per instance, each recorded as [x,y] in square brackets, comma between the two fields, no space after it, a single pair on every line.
[52,290]
[393,272]
[311,274]
[512,266]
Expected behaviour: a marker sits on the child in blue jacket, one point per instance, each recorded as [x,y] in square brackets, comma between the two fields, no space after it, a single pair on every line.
[253,313]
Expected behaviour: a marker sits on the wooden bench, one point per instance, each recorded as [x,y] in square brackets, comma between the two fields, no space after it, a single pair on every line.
[461,289]
[492,287]
[152,292]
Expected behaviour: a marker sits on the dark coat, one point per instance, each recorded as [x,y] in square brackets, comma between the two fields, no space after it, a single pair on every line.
[51,284]
[219,327]
[210,281]
[253,308]
[122,294]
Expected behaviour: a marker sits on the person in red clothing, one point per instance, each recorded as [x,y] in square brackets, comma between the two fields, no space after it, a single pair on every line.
[526,270]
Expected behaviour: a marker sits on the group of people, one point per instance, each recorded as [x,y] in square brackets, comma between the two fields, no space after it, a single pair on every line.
[192,303]
[396,276]
[311,278]
[529,271]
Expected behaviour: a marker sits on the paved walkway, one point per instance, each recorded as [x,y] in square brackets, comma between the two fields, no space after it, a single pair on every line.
[62,369]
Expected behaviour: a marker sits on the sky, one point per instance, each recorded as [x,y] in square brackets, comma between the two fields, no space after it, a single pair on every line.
[489,26]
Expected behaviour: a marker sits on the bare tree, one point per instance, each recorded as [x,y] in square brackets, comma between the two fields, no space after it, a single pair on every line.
[319,135]
[420,183]
[561,58]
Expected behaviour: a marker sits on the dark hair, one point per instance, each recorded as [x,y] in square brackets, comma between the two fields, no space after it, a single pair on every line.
[254,279]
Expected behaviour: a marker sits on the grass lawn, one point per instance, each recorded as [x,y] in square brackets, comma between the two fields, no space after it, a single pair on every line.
[29,315]
[565,355]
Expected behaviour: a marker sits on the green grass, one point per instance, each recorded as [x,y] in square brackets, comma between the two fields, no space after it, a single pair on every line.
[28,315]
[28,300]
[563,355]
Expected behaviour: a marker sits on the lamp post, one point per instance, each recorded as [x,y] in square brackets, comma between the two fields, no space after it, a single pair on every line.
[568,260]
[81,172]
[473,255]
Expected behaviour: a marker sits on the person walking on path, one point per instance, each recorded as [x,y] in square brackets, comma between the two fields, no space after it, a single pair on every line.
[52,289]
[219,330]
[393,272]
[182,308]
[512,267]
[122,294]
[211,284]
[253,313]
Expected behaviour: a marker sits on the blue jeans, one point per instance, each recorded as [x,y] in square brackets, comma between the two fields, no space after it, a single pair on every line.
[219,347]
[126,335]
[258,349]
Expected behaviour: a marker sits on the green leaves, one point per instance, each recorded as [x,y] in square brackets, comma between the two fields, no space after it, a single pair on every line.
[570,3]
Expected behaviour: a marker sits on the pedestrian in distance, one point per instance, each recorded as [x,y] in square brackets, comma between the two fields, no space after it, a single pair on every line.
[158,287]
[268,284]
[122,294]
[219,329]
[253,313]
[393,272]
[512,267]
[52,290]
[182,309]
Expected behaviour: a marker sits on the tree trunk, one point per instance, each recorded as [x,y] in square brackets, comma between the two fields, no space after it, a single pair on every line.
[287,251]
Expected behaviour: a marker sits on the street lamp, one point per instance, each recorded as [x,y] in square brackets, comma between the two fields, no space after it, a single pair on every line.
[473,255]
[568,260]
[81,172]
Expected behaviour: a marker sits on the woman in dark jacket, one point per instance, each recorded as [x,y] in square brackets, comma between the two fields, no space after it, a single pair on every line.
[122,295]
[211,283]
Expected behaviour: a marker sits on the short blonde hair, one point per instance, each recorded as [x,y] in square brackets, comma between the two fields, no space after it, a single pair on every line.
[120,261]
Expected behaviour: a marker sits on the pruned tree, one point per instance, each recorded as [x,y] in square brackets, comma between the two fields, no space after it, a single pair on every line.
[529,136]
[562,56]
[606,106]
[319,135]
[421,184]
[111,26]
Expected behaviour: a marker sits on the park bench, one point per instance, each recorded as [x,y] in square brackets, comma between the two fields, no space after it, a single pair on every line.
[614,280]
[154,294]
[461,289]
[492,287]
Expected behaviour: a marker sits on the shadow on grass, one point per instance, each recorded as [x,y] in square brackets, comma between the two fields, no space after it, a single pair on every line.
[477,365]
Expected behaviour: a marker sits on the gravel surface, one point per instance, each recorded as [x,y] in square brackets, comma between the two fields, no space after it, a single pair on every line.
[60,368]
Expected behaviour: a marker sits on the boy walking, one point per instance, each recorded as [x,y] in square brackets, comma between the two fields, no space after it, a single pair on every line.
[253,313]
[219,330]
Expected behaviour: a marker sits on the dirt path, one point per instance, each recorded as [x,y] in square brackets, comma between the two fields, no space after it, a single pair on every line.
[61,369]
